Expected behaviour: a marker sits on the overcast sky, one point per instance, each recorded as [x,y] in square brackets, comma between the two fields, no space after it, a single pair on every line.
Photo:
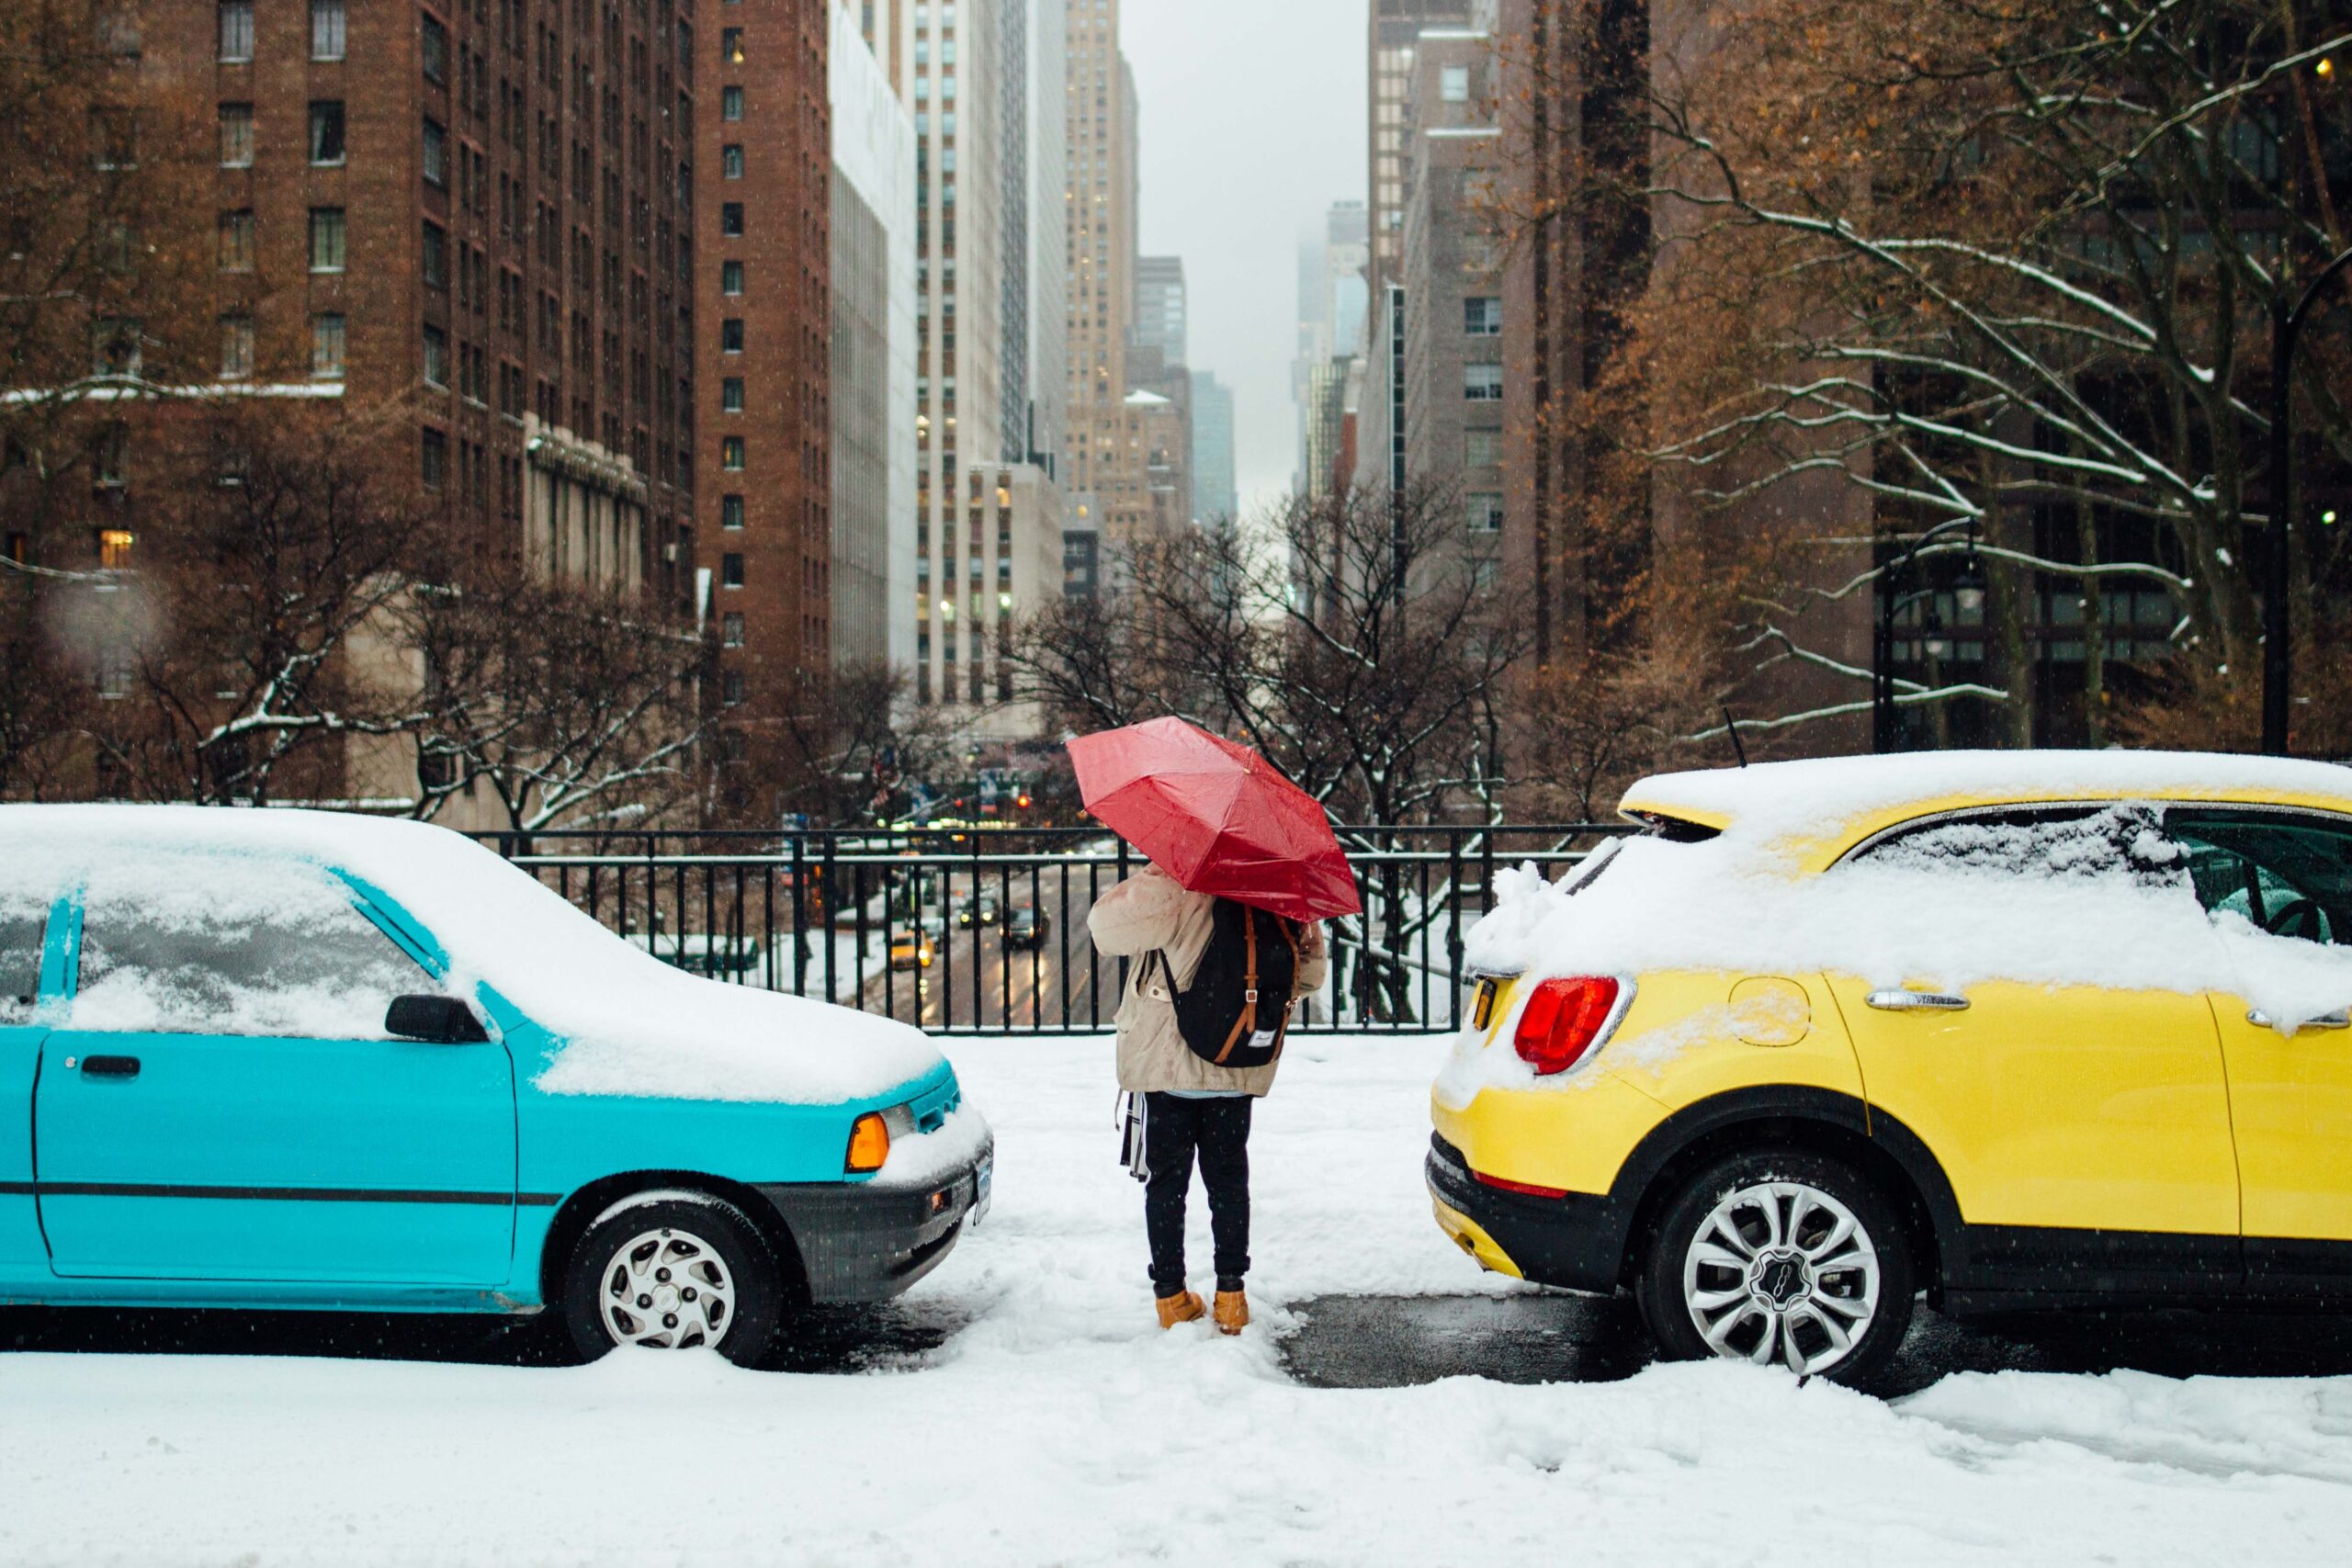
[1253,124]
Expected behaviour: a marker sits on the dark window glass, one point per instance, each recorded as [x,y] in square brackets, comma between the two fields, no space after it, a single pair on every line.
[2287,875]
[730,219]
[730,336]
[22,927]
[436,255]
[326,130]
[437,51]
[731,571]
[730,512]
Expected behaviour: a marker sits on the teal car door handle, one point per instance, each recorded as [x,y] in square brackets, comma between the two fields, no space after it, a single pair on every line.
[109,1066]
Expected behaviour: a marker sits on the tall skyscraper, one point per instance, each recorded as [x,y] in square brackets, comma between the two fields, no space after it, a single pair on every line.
[1331,324]
[1213,493]
[762,262]
[1109,498]
[1396,25]
[874,354]
[1161,309]
[988,525]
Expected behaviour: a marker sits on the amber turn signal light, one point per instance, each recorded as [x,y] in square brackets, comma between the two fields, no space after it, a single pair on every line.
[869,1143]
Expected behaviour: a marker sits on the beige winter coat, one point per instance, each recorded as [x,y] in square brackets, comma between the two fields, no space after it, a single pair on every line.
[1149,912]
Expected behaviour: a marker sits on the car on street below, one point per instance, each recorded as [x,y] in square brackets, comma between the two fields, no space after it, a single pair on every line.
[981,910]
[1028,926]
[911,949]
[2018,1031]
[295,1059]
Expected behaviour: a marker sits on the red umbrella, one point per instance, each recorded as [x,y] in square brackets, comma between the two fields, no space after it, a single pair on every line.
[1216,817]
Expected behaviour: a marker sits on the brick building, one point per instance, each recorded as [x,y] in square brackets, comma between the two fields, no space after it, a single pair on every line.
[763,270]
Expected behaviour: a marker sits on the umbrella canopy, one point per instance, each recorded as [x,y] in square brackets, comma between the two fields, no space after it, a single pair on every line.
[1216,817]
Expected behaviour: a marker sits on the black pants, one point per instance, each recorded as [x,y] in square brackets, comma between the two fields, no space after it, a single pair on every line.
[1174,1130]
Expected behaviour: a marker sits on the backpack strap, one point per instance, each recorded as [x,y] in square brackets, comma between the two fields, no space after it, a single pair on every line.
[1248,1023]
[1143,974]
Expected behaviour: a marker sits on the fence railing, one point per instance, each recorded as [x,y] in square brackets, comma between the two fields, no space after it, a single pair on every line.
[985,933]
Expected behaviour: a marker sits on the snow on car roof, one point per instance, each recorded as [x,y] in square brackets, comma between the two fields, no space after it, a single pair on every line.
[1780,798]
[624,1022]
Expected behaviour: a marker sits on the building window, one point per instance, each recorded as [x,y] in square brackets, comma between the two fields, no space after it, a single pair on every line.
[326,239]
[730,277]
[436,357]
[236,347]
[236,136]
[731,571]
[730,628]
[730,161]
[730,220]
[1481,316]
[730,688]
[730,512]
[436,257]
[1453,84]
[1482,383]
[730,454]
[326,346]
[437,153]
[1483,511]
[435,465]
[114,138]
[111,459]
[236,31]
[436,52]
[730,336]
[326,29]
[237,241]
[1481,449]
[731,103]
[326,130]
[114,550]
[730,395]
[730,45]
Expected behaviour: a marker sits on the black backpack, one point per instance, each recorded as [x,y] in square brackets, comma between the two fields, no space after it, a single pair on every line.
[1237,1006]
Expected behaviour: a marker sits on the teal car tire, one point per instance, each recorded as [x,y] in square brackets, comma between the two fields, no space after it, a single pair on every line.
[673,1270]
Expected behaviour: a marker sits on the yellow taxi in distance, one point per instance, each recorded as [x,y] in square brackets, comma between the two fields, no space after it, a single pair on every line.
[2011,1030]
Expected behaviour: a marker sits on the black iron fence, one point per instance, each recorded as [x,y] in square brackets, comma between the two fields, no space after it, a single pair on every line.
[985,933]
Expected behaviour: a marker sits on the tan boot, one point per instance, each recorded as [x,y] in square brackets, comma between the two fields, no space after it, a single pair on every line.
[1182,1307]
[1232,1312]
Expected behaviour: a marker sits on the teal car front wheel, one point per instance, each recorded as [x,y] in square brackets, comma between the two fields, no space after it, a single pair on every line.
[673,1270]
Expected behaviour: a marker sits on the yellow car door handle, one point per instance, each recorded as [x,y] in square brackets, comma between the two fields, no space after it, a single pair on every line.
[1918,1001]
[2340,1019]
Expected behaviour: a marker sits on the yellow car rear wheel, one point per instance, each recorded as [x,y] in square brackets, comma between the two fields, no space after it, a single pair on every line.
[1782,1258]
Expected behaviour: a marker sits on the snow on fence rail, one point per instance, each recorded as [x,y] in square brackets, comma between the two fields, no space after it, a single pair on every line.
[984,932]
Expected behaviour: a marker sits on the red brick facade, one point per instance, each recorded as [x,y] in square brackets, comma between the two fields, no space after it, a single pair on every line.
[764,277]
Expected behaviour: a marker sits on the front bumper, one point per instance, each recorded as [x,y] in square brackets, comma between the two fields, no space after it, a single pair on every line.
[869,1242]
[1576,1242]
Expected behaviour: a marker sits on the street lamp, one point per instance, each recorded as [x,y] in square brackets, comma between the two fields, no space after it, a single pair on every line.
[1968,594]
[2286,325]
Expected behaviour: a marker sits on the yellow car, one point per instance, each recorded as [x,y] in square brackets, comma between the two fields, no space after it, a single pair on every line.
[2015,1029]
[910,949]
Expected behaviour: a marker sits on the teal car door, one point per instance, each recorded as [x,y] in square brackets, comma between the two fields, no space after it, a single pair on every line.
[222,1101]
[24,922]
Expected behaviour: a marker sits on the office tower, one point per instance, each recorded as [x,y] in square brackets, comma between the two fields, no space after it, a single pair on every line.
[1395,29]
[1214,492]
[1160,308]
[873,355]
[762,265]
[1330,325]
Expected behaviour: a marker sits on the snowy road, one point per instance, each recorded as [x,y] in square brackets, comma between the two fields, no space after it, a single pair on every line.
[1056,1425]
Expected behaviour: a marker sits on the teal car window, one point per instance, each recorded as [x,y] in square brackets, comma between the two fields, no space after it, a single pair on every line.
[2289,875]
[230,945]
[21,930]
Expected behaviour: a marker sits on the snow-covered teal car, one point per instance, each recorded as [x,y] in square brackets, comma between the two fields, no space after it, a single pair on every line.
[293,1059]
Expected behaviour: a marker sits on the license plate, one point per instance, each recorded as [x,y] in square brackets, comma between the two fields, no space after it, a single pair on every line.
[1483,1012]
[983,1190]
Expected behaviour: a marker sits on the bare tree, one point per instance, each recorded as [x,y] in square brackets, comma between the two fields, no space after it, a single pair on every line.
[2004,267]
[569,704]
[844,751]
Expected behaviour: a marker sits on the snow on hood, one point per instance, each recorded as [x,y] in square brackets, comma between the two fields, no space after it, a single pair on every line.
[623,1021]
[2114,909]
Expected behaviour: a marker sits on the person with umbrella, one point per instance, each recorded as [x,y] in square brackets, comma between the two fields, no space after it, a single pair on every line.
[1225,925]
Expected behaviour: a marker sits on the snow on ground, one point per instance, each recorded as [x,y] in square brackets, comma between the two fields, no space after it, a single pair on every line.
[1062,1428]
